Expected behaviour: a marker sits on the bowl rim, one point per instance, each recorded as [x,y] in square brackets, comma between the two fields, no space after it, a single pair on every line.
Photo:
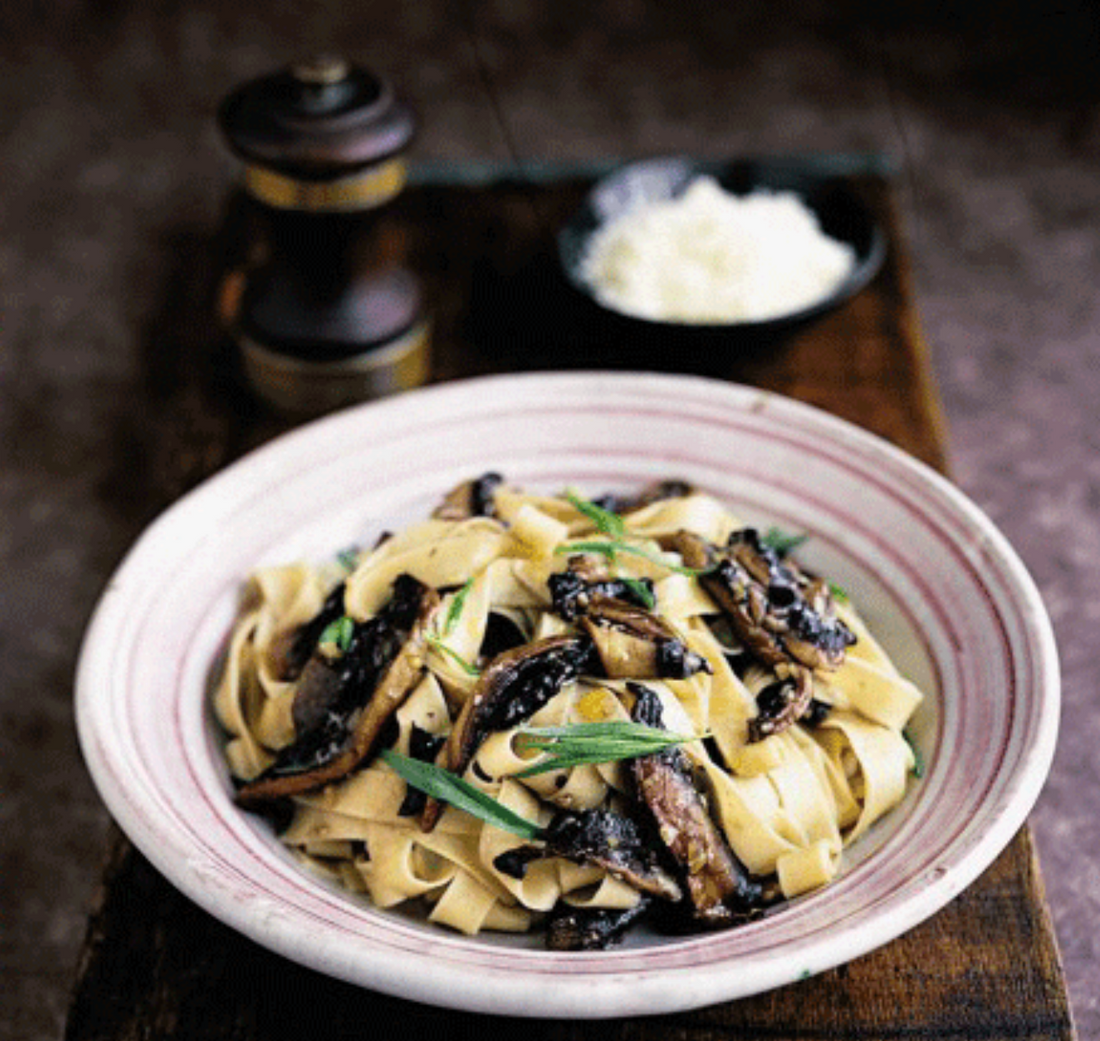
[572,237]
[574,995]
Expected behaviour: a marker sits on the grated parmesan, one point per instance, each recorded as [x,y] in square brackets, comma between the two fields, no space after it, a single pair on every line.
[709,257]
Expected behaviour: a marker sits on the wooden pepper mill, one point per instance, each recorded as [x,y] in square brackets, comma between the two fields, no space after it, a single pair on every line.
[328,313]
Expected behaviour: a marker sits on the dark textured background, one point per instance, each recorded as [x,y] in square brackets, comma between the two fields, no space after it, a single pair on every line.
[111,172]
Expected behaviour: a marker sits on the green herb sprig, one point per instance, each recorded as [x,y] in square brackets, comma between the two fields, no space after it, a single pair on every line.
[466,666]
[781,541]
[611,524]
[454,612]
[613,547]
[919,765]
[785,544]
[575,745]
[338,633]
[348,558]
[614,527]
[579,744]
[450,788]
[641,591]
[604,520]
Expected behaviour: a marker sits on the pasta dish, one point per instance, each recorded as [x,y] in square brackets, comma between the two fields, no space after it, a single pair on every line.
[550,712]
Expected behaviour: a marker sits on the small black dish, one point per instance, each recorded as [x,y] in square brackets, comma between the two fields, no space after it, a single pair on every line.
[841,213]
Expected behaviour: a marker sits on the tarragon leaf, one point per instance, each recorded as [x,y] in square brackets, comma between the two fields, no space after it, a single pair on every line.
[781,541]
[604,520]
[454,612]
[339,633]
[919,765]
[640,590]
[450,788]
[579,744]
[612,548]
[467,667]
[348,558]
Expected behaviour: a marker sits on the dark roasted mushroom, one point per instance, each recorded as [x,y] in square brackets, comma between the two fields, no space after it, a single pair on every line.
[783,702]
[323,701]
[469,499]
[293,649]
[784,619]
[630,640]
[635,643]
[511,688]
[775,610]
[815,636]
[799,608]
[341,707]
[651,493]
[614,842]
[590,928]
[572,590]
[601,837]
[738,596]
[718,885]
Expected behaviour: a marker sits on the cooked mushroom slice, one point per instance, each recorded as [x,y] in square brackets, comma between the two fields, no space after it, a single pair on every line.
[512,687]
[341,707]
[815,636]
[777,612]
[631,640]
[323,700]
[292,651]
[590,928]
[800,608]
[330,692]
[783,702]
[614,842]
[635,643]
[651,493]
[573,590]
[603,838]
[470,499]
[718,885]
[735,592]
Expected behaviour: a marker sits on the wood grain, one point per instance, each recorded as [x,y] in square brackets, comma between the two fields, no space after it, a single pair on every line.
[155,965]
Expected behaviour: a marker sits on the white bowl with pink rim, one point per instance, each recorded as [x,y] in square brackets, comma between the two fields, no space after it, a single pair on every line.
[939,585]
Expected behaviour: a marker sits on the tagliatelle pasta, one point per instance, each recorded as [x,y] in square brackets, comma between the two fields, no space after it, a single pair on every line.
[739,724]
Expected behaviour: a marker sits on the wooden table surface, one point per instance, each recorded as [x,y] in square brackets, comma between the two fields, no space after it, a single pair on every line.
[154,965]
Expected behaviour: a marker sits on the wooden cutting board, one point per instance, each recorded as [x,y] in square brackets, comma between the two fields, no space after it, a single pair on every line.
[155,966]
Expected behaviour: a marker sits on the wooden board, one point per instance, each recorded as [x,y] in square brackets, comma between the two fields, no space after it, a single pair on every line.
[154,965]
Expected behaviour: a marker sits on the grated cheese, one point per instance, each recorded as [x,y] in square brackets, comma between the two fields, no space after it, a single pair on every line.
[710,257]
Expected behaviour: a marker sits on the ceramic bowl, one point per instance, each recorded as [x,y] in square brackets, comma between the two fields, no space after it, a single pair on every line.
[840,211]
[938,584]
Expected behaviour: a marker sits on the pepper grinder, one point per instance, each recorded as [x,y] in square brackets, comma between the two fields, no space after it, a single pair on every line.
[327,312]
